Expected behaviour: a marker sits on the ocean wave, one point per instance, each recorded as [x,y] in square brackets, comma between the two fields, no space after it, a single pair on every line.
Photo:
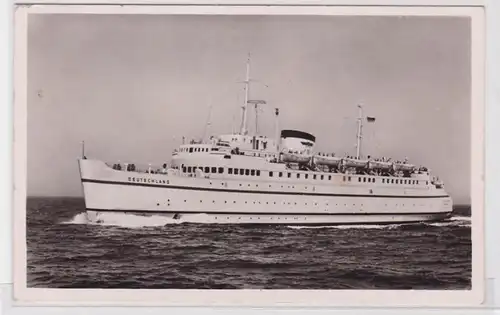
[350,226]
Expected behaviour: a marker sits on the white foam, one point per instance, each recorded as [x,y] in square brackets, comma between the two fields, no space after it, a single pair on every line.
[356,226]
[459,218]
[129,220]
[80,218]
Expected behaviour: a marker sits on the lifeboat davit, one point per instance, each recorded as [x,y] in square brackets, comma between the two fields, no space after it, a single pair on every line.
[347,162]
[327,160]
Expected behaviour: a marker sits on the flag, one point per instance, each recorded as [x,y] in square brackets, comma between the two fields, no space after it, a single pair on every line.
[370,119]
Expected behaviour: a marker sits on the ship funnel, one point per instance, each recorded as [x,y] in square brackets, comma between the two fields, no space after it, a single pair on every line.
[297,141]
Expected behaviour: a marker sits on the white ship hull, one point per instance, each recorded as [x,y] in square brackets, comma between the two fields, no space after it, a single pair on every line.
[256,200]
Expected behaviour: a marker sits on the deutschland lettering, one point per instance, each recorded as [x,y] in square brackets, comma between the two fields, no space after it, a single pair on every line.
[146,180]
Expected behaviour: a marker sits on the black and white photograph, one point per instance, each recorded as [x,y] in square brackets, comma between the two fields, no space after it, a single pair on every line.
[250,152]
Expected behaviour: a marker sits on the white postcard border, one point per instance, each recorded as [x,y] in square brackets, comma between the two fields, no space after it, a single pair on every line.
[288,298]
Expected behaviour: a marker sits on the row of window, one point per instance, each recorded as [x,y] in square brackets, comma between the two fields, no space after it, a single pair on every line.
[242,171]
[387,180]
[206,169]
[197,149]
[251,172]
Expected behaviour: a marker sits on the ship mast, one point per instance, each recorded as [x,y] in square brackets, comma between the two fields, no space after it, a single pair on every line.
[243,130]
[360,130]
[208,124]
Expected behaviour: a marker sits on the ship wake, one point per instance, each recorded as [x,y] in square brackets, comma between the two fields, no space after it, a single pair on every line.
[457,221]
[128,220]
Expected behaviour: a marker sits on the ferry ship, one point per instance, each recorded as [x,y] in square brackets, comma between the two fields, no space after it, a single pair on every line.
[248,178]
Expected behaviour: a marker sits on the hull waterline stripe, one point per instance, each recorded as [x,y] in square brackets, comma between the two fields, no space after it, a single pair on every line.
[259,192]
[447,213]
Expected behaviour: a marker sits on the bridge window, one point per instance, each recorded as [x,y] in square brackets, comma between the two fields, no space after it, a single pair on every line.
[189,169]
[383,180]
[221,170]
[289,175]
[270,174]
[280,174]
[322,177]
[364,179]
[314,176]
[247,172]
[190,150]
[306,176]
[214,170]
[230,171]
[252,172]
[359,179]
[330,177]
[349,178]
[298,175]
[373,180]
[258,172]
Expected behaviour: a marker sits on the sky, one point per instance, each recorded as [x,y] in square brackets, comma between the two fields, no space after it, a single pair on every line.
[131,86]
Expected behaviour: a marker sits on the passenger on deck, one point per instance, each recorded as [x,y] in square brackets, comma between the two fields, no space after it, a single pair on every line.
[164,169]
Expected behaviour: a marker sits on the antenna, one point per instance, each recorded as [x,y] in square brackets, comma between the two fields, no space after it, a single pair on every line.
[209,123]
[276,130]
[243,130]
[83,150]
[360,130]
[256,103]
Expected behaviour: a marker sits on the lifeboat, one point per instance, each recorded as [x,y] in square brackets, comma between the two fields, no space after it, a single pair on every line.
[348,162]
[292,157]
[380,165]
[327,160]
[405,167]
